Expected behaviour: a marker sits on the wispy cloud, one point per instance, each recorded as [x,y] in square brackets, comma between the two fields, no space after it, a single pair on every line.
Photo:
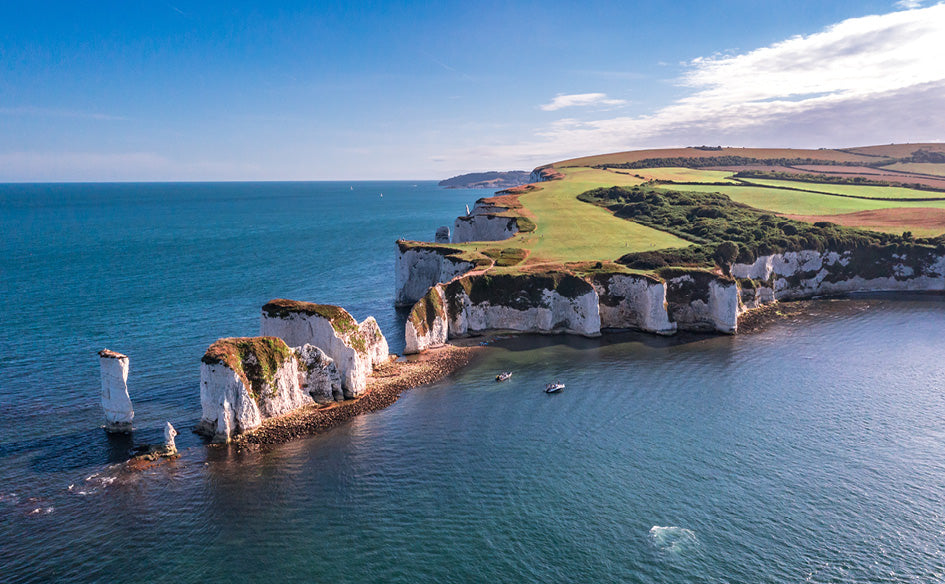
[875,79]
[909,4]
[580,100]
[57,113]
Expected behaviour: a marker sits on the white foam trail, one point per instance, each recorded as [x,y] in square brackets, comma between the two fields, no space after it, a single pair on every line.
[672,539]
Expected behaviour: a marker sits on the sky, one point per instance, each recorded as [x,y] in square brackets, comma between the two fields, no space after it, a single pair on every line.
[155,91]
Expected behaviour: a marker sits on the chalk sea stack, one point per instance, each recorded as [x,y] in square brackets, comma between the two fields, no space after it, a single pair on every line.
[115,400]
[355,347]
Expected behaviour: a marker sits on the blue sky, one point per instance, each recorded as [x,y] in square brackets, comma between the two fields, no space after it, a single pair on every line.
[410,90]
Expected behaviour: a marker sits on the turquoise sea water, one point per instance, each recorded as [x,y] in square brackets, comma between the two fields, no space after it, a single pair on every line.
[811,452]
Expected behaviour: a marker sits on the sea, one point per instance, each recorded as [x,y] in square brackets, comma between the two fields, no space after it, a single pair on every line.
[811,451]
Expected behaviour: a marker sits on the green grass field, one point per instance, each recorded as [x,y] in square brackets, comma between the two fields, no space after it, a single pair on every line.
[801,203]
[570,230]
[871,192]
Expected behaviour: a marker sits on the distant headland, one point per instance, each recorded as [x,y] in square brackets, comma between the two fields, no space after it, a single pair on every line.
[487,180]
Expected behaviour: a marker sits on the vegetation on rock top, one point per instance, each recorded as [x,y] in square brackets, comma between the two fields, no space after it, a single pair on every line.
[727,231]
[340,319]
[255,360]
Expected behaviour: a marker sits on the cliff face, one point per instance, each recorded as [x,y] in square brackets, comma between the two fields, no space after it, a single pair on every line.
[484,223]
[355,348]
[552,303]
[702,301]
[428,324]
[419,268]
[630,301]
[246,379]
[803,274]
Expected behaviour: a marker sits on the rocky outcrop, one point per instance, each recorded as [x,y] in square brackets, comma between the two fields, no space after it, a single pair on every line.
[544,173]
[632,301]
[246,379]
[355,348]
[701,301]
[807,273]
[319,377]
[538,303]
[428,324]
[170,433]
[484,223]
[420,267]
[115,399]
[442,234]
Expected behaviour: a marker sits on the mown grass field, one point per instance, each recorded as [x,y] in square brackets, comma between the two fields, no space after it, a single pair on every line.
[570,230]
[575,235]
[801,203]
[870,192]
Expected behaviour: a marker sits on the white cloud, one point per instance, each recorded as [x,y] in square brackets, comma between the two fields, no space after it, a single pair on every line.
[872,79]
[909,4]
[580,100]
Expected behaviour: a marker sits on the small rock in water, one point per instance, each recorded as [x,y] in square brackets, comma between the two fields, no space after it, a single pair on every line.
[169,433]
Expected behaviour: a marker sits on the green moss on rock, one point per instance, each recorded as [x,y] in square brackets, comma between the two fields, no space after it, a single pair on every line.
[517,291]
[426,310]
[340,319]
[255,360]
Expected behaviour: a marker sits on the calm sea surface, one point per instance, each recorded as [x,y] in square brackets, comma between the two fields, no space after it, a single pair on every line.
[811,452]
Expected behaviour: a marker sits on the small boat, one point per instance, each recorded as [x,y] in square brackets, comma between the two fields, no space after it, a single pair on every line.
[503,376]
[554,387]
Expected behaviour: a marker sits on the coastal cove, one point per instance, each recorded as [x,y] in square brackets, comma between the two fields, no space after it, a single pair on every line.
[811,449]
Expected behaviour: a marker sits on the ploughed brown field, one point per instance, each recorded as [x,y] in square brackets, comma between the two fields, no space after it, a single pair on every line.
[897,150]
[876,174]
[636,155]
[926,219]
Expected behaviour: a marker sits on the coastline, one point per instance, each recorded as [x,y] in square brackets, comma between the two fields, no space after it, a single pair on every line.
[385,385]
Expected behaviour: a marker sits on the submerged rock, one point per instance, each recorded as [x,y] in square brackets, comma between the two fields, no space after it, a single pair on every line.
[115,399]
[355,348]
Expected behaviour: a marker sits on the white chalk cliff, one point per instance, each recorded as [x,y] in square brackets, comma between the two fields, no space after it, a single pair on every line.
[555,303]
[419,268]
[484,223]
[428,325]
[244,380]
[115,400]
[631,301]
[355,348]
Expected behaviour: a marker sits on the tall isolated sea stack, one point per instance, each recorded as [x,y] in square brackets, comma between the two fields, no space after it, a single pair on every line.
[115,400]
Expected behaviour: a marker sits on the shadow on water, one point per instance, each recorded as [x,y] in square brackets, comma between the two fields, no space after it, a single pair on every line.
[83,448]
[518,342]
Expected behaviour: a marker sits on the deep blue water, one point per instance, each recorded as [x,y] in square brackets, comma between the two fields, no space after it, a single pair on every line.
[811,452]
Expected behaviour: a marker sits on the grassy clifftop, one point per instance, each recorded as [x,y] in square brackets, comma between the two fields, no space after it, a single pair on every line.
[675,207]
